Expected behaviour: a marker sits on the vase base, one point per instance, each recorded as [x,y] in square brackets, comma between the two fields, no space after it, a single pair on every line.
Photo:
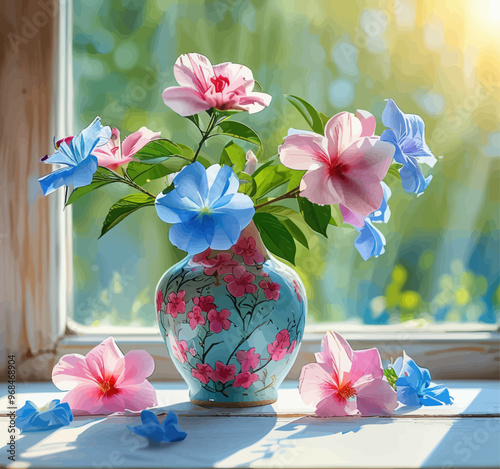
[233,404]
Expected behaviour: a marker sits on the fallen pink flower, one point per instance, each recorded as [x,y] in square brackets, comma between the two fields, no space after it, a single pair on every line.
[105,381]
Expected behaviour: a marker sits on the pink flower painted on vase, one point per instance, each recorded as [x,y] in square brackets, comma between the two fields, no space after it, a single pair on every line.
[247,248]
[344,167]
[240,282]
[202,257]
[206,303]
[196,317]
[106,381]
[346,382]
[292,347]
[159,303]
[111,155]
[297,290]
[248,359]
[222,264]
[202,372]
[278,348]
[205,86]
[245,379]
[179,348]
[176,304]
[271,289]
[223,373]
[219,321]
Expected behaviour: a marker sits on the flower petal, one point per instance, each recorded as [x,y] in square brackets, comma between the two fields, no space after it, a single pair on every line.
[184,101]
[194,71]
[331,407]
[104,359]
[192,183]
[191,236]
[303,151]
[139,365]
[366,363]
[370,241]
[135,141]
[337,354]
[341,131]
[71,371]
[368,123]
[376,397]
[394,118]
[316,383]
[354,219]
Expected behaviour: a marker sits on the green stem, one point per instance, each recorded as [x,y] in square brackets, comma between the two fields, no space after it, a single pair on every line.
[127,180]
[288,195]
[211,125]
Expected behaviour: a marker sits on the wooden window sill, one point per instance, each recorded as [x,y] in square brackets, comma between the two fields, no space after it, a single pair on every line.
[285,434]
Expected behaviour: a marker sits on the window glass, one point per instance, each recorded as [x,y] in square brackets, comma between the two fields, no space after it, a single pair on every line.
[441,62]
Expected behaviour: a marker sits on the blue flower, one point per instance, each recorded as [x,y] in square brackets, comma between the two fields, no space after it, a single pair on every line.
[205,208]
[414,385]
[30,418]
[167,431]
[406,133]
[76,154]
[371,241]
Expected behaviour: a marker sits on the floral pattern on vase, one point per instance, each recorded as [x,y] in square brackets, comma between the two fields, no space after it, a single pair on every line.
[233,322]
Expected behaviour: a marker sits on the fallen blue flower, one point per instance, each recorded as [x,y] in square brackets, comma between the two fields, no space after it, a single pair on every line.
[76,154]
[167,431]
[407,133]
[414,385]
[30,418]
[205,208]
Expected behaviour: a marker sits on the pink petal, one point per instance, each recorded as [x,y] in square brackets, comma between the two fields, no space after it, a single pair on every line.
[316,383]
[254,102]
[238,75]
[370,158]
[303,151]
[84,399]
[184,101]
[135,141]
[316,185]
[376,397]
[194,71]
[354,219]
[331,407]
[105,359]
[368,123]
[136,397]
[366,363]
[139,364]
[341,131]
[251,163]
[337,354]
[71,371]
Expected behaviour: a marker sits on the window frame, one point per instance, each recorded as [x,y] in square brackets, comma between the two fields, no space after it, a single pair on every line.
[452,351]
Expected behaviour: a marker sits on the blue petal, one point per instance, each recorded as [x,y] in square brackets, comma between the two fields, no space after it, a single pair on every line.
[222,183]
[89,138]
[192,183]
[148,416]
[383,214]
[192,235]
[173,209]
[227,230]
[408,396]
[436,395]
[394,119]
[390,137]
[30,419]
[370,241]
[412,178]
[168,431]
[240,207]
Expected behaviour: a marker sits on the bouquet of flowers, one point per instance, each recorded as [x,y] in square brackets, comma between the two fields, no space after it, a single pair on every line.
[335,173]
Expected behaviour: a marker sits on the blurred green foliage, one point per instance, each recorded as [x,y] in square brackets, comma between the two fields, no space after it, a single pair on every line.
[439,59]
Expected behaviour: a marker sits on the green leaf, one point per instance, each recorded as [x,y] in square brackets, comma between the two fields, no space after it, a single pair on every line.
[124,207]
[275,236]
[257,87]
[336,219]
[186,152]
[270,178]
[324,118]
[393,176]
[101,177]
[249,187]
[391,376]
[309,113]
[233,155]
[157,150]
[296,232]
[316,216]
[195,119]
[142,173]
[241,131]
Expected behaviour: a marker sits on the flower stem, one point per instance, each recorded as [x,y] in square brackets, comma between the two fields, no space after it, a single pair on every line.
[127,180]
[288,195]
[211,125]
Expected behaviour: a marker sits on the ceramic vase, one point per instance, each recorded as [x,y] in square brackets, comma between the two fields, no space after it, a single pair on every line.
[232,322]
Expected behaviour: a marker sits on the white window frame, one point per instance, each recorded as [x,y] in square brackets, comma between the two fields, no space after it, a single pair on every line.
[451,351]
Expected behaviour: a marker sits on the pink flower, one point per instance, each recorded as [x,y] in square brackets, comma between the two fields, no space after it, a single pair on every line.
[248,359]
[179,348]
[246,248]
[251,163]
[245,379]
[271,290]
[105,381]
[222,264]
[176,303]
[240,282]
[203,86]
[195,317]
[206,303]
[111,156]
[344,382]
[202,257]
[346,166]
[277,349]
[219,321]
[297,290]
[292,347]
[159,302]
[202,372]
[223,373]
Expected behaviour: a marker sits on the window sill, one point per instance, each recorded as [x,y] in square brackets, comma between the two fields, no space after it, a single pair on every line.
[285,434]
[450,351]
